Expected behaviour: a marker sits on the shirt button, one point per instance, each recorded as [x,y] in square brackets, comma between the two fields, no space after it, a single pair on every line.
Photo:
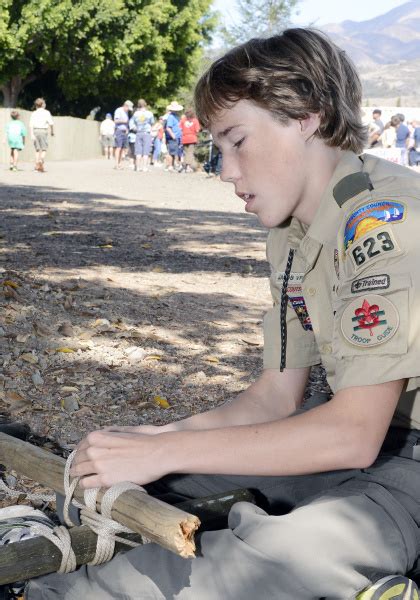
[326,349]
[311,291]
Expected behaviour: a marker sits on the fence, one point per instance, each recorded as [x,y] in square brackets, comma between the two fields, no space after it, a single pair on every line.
[74,139]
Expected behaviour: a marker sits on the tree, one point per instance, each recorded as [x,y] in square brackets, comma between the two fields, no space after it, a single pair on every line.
[105,49]
[259,18]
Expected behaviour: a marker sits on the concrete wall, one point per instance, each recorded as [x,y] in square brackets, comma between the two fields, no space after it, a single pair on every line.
[74,139]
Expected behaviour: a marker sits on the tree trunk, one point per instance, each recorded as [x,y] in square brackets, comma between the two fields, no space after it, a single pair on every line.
[11,90]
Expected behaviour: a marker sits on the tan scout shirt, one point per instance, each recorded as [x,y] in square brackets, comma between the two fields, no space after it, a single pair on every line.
[354,289]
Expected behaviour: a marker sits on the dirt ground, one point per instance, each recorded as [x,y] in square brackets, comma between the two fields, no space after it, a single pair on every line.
[126,297]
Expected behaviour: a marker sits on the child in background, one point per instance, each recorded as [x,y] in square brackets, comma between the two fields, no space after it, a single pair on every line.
[16,133]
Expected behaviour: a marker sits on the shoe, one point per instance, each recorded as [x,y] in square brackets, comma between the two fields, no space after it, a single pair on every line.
[394,587]
[14,169]
[41,167]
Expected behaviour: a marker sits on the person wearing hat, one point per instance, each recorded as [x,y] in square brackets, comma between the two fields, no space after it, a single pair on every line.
[173,134]
[106,135]
[121,120]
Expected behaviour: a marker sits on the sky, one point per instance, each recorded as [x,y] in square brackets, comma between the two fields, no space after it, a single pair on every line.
[320,12]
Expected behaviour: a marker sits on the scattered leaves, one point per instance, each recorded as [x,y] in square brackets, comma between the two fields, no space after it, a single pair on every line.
[64,349]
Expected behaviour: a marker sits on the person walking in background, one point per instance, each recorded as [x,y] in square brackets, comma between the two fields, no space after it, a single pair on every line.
[190,127]
[403,134]
[107,131]
[376,128]
[389,134]
[173,134]
[121,120]
[16,134]
[157,136]
[39,123]
[143,120]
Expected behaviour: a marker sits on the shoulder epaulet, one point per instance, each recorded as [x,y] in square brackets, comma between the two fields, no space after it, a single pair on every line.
[350,186]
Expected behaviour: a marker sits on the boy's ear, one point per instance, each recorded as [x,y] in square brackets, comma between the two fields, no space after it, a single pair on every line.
[309,126]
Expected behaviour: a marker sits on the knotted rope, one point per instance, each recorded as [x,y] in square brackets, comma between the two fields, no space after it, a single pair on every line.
[101,523]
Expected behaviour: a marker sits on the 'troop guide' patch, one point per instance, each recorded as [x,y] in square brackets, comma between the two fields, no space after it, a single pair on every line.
[369,320]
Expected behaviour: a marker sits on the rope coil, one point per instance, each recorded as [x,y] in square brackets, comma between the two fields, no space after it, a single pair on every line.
[101,523]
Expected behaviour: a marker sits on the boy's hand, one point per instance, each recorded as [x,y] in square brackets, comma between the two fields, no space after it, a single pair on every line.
[107,457]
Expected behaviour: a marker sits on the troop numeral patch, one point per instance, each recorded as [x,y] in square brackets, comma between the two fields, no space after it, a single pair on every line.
[369,321]
[369,284]
[372,247]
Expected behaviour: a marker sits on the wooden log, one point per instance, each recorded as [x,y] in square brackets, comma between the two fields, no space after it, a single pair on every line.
[162,523]
[38,556]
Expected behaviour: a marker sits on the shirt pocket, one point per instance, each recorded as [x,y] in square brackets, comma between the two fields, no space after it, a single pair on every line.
[371,315]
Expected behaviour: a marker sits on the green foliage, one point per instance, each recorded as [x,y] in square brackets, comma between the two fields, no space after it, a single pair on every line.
[102,50]
[259,18]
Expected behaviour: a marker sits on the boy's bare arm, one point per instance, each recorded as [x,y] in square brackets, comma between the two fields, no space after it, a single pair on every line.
[272,396]
[345,433]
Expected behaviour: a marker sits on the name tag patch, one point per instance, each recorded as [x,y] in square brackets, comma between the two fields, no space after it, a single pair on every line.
[369,284]
[299,305]
[369,320]
[371,216]
[293,279]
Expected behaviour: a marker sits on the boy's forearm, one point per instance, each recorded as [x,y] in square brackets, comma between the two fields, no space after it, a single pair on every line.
[261,402]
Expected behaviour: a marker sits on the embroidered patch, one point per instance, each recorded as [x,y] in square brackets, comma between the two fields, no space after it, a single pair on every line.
[299,305]
[373,246]
[369,284]
[369,321]
[294,278]
[336,264]
[370,216]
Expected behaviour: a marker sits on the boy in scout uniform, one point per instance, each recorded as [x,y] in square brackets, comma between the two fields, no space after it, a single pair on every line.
[339,482]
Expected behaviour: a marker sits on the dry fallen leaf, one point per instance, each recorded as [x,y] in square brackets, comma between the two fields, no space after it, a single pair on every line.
[146,246]
[105,246]
[212,359]
[30,358]
[41,329]
[153,357]
[64,349]
[11,284]
[160,401]
[17,402]
[23,338]
[68,303]
[158,269]
[66,329]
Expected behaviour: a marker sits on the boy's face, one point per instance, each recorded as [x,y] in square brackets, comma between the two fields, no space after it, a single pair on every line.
[265,160]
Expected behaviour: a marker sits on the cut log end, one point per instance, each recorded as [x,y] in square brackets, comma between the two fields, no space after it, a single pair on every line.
[188,527]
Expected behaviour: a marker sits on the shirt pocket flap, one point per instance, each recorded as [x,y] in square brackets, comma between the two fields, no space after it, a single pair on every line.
[371,316]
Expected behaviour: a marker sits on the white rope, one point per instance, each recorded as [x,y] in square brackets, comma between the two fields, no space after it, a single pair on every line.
[101,523]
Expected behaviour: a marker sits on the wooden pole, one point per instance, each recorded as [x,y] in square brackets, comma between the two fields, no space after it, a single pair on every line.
[162,523]
[38,556]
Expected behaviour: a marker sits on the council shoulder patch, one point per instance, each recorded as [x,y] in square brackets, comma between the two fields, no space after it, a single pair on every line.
[369,320]
[370,216]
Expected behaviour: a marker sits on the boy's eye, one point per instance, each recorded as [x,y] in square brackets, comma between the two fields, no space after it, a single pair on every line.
[239,143]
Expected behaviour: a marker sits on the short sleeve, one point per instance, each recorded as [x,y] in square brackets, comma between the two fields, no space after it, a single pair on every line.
[376,335]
